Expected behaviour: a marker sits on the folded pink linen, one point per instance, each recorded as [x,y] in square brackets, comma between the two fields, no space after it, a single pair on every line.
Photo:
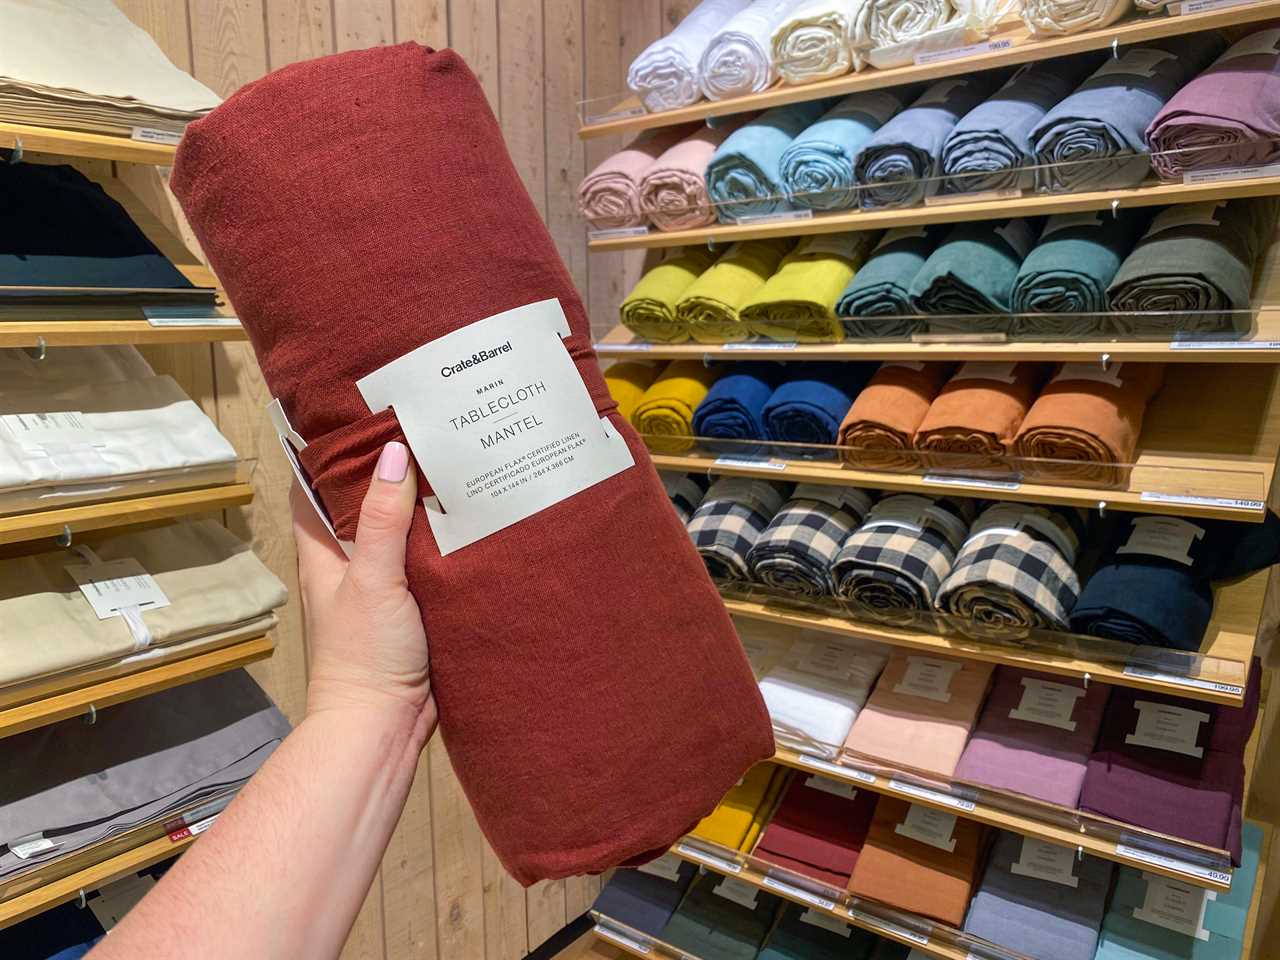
[673,192]
[609,196]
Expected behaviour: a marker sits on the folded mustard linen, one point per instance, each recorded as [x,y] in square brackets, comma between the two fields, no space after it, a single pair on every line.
[664,415]
[627,381]
[737,822]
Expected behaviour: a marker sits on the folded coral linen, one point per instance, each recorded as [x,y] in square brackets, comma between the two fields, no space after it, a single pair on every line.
[1094,138]
[673,190]
[1084,426]
[665,74]
[896,161]
[811,41]
[980,409]
[738,819]
[686,491]
[212,581]
[879,428]
[920,713]
[664,413]
[649,311]
[795,552]
[734,406]
[281,244]
[798,301]
[739,58]
[805,934]
[744,177]
[627,381]
[641,898]
[711,926]
[71,366]
[609,196]
[1040,900]
[973,272]
[729,521]
[818,829]
[809,407]
[1047,18]
[877,301]
[818,165]
[1228,116]
[709,306]
[1035,735]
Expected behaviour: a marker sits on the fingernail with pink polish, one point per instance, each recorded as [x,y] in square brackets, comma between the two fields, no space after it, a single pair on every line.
[393,465]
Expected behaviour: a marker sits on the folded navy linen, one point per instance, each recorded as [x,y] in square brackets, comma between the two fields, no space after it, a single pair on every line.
[733,408]
[645,898]
[810,406]
[877,301]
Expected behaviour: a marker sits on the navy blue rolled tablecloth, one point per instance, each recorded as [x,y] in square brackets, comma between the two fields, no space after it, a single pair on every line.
[733,408]
[809,407]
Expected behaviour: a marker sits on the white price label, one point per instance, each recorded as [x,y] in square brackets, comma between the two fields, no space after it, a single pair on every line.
[775,217]
[737,891]
[897,930]
[111,586]
[1218,875]
[976,482]
[37,430]
[1175,906]
[1231,173]
[933,796]
[151,135]
[621,939]
[666,867]
[929,826]
[955,53]
[1041,860]
[25,848]
[978,196]
[1047,703]
[761,346]
[836,769]
[1203,6]
[796,893]
[1181,680]
[928,678]
[608,348]
[1234,503]
[1225,345]
[187,316]
[614,233]
[750,462]
[718,864]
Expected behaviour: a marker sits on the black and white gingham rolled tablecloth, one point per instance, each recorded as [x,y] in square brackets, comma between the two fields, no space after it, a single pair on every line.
[686,491]
[796,550]
[729,521]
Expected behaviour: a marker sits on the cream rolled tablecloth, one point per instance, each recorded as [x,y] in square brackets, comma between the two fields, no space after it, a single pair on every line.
[1054,17]
[811,42]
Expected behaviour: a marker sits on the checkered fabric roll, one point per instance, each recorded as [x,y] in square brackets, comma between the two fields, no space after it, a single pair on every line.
[686,491]
[729,521]
[892,566]
[1015,570]
[796,550]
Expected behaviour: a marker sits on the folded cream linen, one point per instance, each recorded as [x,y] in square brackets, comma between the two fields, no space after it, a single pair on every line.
[739,59]
[665,74]
[609,196]
[811,42]
[69,366]
[84,64]
[212,580]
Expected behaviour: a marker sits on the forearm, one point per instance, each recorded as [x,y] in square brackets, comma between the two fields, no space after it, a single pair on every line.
[284,871]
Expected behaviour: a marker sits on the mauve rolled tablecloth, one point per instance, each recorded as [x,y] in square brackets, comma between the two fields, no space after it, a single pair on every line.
[379,130]
[709,306]
[896,161]
[739,58]
[733,408]
[979,411]
[809,407]
[818,829]
[811,41]
[805,934]
[880,427]
[877,301]
[649,311]
[1094,139]
[1049,18]
[673,190]
[609,196]
[796,550]
[643,901]
[1228,116]
[798,301]
[664,413]
[972,272]
[665,74]
[1035,735]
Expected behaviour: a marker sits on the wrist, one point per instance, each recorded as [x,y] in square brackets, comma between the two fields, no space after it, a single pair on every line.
[389,718]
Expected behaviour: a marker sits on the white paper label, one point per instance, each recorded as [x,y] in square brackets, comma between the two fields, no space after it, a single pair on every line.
[933,796]
[499,420]
[1001,371]
[796,893]
[976,196]
[620,938]
[1236,503]
[1165,727]
[1186,214]
[905,511]
[1050,704]
[751,463]
[666,867]
[1015,518]
[826,922]
[188,316]
[1197,683]
[1019,235]
[115,584]
[152,135]
[777,216]
[1167,537]
[827,658]
[1225,345]
[604,349]
[116,899]
[977,482]
[710,859]
[1138,62]
[28,847]
[1046,861]
[928,678]
[1262,41]
[902,233]
[836,769]
[873,922]
[760,346]
[927,825]
[1203,6]
[1219,174]
[612,233]
[1175,906]
[1093,372]
[852,499]
[1218,875]
[38,430]
[738,891]
[1066,221]
[834,787]
[955,53]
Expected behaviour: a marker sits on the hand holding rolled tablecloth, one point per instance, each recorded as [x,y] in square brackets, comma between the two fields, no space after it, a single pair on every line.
[649,311]
[609,196]
[673,189]
[798,301]
[880,427]
[709,306]
[665,74]
[795,552]
[877,301]
[664,413]
[739,58]
[975,417]
[811,41]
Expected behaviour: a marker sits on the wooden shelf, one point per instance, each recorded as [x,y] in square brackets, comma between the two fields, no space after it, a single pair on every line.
[630,940]
[78,143]
[88,333]
[73,695]
[1022,48]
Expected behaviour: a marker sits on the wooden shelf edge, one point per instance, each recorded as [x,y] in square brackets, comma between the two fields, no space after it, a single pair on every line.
[1023,50]
[77,701]
[77,143]
[90,333]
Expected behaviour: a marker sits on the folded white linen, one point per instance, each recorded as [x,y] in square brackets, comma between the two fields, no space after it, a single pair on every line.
[665,74]
[739,59]
[811,42]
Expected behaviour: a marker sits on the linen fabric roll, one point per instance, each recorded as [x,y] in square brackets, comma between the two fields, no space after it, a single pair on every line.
[979,411]
[488,252]
[71,366]
[877,301]
[897,869]
[896,161]
[817,167]
[811,41]
[744,177]
[140,761]
[798,302]
[1084,426]
[739,58]
[212,580]
[1094,138]
[973,271]
[1047,18]
[920,713]
[641,899]
[709,306]
[673,190]
[883,23]
[809,407]
[649,311]
[989,146]
[1228,116]
[686,491]
[800,936]
[627,381]
[729,521]
[1015,570]
[818,829]
[737,821]
[892,567]
[712,927]
[665,74]
[664,412]
[1035,735]
[1018,906]
[734,406]
[795,552]
[609,196]
[879,428]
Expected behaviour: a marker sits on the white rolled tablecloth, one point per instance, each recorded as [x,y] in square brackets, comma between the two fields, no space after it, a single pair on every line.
[739,59]
[812,41]
[665,74]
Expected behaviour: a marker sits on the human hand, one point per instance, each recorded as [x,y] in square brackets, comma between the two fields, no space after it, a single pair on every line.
[368,647]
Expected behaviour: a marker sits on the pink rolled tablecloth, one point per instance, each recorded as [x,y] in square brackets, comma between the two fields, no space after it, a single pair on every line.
[609,196]
[673,192]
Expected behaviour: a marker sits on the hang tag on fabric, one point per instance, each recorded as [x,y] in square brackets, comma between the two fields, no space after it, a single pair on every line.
[1175,905]
[1002,371]
[902,233]
[1138,62]
[929,678]
[737,891]
[1092,371]
[1167,537]
[824,921]
[112,586]
[930,826]
[827,658]
[116,899]
[853,499]
[1042,860]
[1186,214]
[1047,703]
[35,431]
[24,848]
[1165,727]
[1019,235]
[939,95]
[836,788]
[666,867]
[499,420]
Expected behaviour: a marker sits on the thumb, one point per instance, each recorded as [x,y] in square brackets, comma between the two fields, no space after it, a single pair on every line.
[385,516]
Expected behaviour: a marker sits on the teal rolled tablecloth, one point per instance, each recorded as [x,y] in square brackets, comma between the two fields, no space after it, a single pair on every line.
[877,301]
[973,271]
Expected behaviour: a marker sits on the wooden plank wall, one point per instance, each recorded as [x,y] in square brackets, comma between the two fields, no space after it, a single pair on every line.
[441,892]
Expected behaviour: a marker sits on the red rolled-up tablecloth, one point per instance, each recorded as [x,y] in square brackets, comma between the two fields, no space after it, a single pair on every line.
[593,695]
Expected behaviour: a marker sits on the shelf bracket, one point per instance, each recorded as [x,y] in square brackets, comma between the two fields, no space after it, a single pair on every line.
[15,156]
[91,717]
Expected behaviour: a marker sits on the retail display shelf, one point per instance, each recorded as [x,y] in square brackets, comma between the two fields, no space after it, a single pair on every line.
[632,941]
[1011,44]
[1028,205]
[79,143]
[83,693]
[88,333]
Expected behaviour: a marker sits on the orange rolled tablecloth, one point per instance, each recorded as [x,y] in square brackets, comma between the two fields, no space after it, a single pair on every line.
[1085,424]
[879,429]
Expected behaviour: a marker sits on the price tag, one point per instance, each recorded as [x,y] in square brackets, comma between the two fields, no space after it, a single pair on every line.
[1165,727]
[1203,6]
[194,830]
[873,922]
[751,462]
[776,217]
[1175,906]
[111,586]
[930,826]
[613,233]
[116,899]
[836,788]
[1181,680]
[737,891]
[955,53]
[607,348]
[826,922]
[1167,537]
[795,893]
[761,346]
[1236,503]
[666,867]
[621,939]
[152,135]
[24,848]
[1041,860]
[38,430]
[187,316]
[979,196]
[836,769]
[975,482]
[1219,875]
[1047,703]
[1225,345]
[1231,173]
[933,796]
[928,678]
[718,864]
[828,658]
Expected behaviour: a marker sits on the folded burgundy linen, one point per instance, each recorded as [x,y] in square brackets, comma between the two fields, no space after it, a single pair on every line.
[818,829]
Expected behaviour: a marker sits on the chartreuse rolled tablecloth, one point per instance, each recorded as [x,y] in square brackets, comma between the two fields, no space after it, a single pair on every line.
[711,303]
[650,308]
[664,414]
[798,302]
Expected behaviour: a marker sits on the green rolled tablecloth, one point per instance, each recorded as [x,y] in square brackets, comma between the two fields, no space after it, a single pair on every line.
[877,301]
[972,272]
[650,309]
[712,927]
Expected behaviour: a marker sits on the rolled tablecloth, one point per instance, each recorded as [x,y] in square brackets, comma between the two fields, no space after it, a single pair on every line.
[1047,18]
[1228,116]
[811,41]
[729,521]
[884,23]
[796,550]
[673,190]
[877,301]
[709,306]
[798,301]
[739,58]
[379,131]
[1094,139]
[744,176]
[609,196]
[665,74]
[880,427]
[733,408]
[896,162]
[973,271]
[686,491]
[649,311]
[809,406]
[627,381]
[973,421]
[664,412]
[817,167]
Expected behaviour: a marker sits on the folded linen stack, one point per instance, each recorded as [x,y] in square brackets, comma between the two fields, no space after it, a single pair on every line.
[739,58]
[818,829]
[665,74]
[645,898]
[796,551]
[686,492]
[738,819]
[627,381]
[729,521]
[809,406]
[804,934]
[712,925]
[1047,18]
[811,41]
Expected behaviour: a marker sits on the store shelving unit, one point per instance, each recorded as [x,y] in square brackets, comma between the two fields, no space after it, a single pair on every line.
[81,143]
[632,941]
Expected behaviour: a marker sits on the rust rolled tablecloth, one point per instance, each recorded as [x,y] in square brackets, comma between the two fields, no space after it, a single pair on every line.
[1084,426]
[881,425]
[973,421]
[366,201]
